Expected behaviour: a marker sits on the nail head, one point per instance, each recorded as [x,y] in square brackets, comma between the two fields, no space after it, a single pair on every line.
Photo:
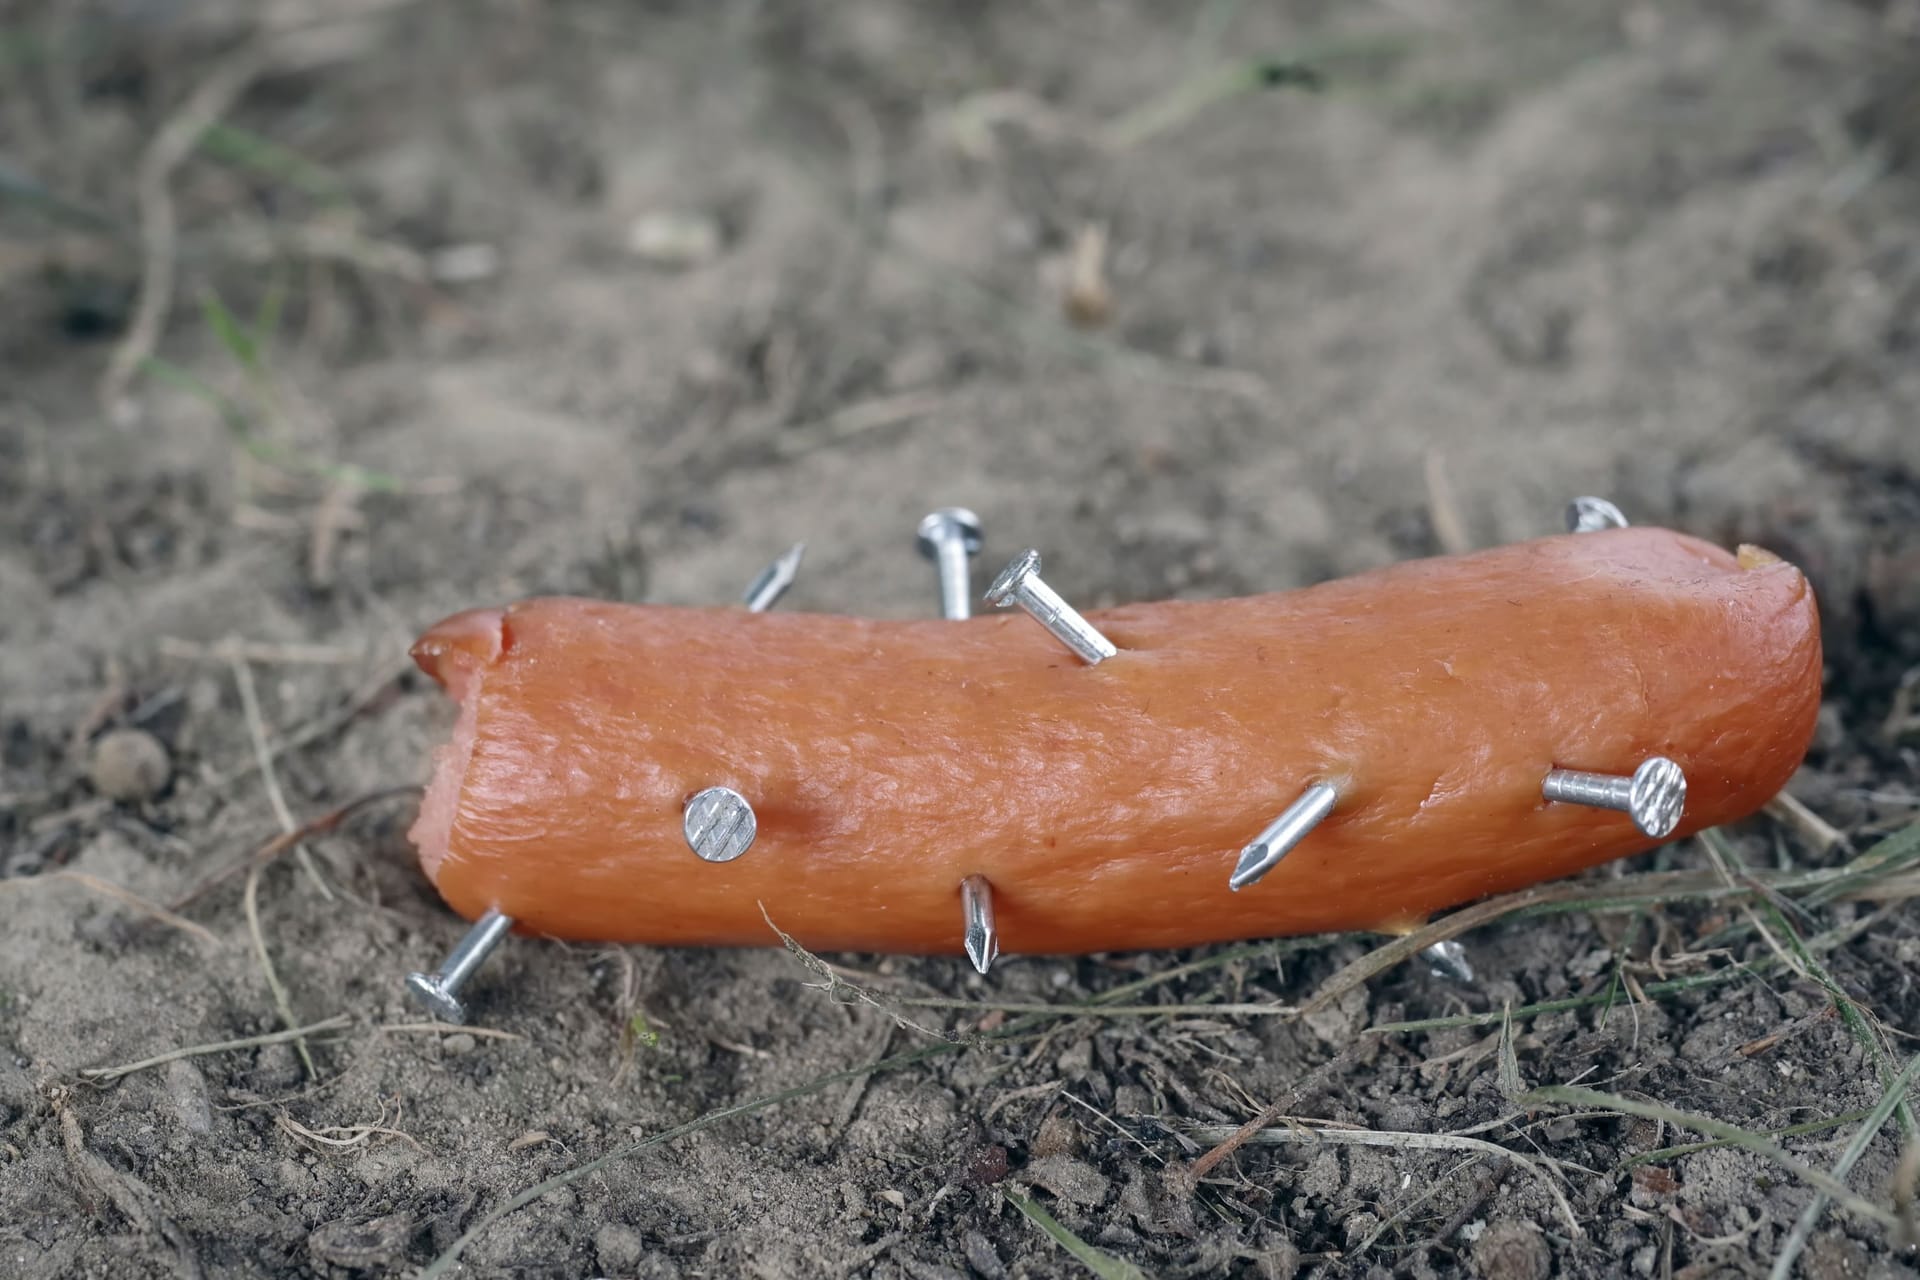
[1657,796]
[719,824]
[1023,566]
[947,522]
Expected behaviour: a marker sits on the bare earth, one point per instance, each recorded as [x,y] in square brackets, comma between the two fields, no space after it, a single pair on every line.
[471,301]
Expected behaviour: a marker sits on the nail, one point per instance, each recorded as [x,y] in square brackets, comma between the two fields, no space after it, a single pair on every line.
[1591,515]
[439,991]
[950,537]
[1019,583]
[976,909]
[719,824]
[1654,795]
[1285,831]
[775,579]
[1448,960]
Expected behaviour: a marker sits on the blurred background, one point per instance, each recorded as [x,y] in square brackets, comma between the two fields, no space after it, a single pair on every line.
[321,319]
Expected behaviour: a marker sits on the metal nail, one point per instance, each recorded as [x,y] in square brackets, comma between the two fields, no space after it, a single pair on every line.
[439,991]
[1019,583]
[1448,960]
[1284,832]
[950,537]
[1655,795]
[976,909]
[719,824]
[1591,515]
[773,581]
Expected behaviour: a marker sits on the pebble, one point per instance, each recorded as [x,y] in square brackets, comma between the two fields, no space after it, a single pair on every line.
[458,1043]
[129,765]
[675,239]
[618,1248]
[1512,1250]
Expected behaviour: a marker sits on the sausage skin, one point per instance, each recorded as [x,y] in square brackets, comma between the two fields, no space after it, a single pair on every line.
[888,760]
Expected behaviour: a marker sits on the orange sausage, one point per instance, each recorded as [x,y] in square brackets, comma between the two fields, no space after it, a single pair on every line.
[889,760]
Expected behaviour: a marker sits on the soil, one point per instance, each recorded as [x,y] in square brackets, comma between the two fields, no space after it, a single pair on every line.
[474,301]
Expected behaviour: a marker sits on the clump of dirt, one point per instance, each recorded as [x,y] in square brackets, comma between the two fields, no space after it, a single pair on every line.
[324,324]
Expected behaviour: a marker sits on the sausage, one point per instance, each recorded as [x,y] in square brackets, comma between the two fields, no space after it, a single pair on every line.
[889,760]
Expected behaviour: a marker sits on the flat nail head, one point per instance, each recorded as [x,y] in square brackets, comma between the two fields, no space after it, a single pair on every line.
[1657,796]
[441,1003]
[719,824]
[950,522]
[1591,515]
[1023,566]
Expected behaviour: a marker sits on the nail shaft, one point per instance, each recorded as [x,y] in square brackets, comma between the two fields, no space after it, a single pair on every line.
[976,910]
[956,593]
[1020,583]
[949,537]
[1655,794]
[1282,834]
[773,581]
[439,991]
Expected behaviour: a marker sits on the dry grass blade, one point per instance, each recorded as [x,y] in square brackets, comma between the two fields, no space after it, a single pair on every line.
[1101,1263]
[1100,1011]
[1819,834]
[118,894]
[280,1001]
[445,1028]
[257,732]
[106,1075]
[1299,1134]
[1568,1095]
[1866,877]
[1876,1120]
[898,1062]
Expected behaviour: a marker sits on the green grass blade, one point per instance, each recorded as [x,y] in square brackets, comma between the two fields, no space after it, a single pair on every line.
[1102,1264]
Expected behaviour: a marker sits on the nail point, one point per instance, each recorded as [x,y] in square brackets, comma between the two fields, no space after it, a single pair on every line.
[1591,515]
[982,940]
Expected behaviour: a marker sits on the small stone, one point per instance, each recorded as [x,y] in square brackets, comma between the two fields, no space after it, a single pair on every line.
[187,1091]
[1512,1250]
[986,1165]
[129,765]
[675,239]
[458,1043]
[1071,1180]
[618,1248]
[982,1256]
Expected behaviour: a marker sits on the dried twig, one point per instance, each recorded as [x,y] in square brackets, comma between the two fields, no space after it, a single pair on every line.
[1443,508]
[281,843]
[836,985]
[158,228]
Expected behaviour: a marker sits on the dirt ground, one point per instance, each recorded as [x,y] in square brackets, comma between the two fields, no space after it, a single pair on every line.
[318,326]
